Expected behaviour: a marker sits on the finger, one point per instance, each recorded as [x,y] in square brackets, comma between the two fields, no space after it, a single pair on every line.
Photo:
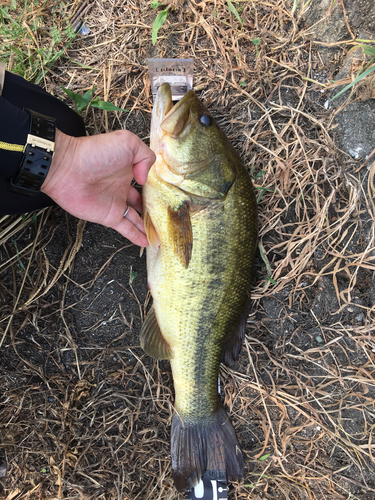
[143,159]
[141,151]
[135,200]
[132,228]
[134,218]
[141,168]
[143,156]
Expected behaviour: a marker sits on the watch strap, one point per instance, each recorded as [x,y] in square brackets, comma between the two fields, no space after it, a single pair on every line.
[37,156]
[42,126]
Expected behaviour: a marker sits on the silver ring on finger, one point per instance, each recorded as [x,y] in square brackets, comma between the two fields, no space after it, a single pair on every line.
[126,212]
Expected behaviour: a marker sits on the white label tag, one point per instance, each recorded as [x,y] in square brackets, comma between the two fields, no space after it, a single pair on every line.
[177,72]
[199,490]
[212,486]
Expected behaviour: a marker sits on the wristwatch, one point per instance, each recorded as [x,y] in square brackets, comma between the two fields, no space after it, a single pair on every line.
[37,156]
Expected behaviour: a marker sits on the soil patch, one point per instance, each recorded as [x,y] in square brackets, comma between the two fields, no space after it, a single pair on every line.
[84,413]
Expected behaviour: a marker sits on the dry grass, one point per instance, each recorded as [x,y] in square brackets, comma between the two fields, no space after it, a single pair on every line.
[303,389]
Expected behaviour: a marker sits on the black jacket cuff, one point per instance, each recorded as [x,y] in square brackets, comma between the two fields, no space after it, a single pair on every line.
[14,128]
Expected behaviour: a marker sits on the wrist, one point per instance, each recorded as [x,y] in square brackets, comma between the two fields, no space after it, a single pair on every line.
[62,158]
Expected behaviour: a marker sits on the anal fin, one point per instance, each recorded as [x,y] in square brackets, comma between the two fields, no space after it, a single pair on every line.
[233,342]
[152,340]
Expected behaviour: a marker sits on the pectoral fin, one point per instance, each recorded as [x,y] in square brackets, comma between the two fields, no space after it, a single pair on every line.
[152,340]
[181,233]
[151,233]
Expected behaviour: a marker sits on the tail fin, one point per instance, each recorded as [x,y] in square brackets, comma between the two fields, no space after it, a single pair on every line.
[207,445]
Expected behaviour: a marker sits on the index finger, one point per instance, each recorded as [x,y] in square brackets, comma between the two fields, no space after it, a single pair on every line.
[143,158]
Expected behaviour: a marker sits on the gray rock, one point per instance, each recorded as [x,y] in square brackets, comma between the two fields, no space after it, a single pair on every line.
[333,28]
[356,129]
[3,469]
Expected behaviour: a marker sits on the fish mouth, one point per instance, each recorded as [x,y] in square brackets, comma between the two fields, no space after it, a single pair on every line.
[169,119]
[175,121]
[162,105]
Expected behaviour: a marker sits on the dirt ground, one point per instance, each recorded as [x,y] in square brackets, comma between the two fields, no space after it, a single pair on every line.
[84,413]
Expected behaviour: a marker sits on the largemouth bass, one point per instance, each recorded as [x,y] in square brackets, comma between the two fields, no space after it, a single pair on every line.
[201,221]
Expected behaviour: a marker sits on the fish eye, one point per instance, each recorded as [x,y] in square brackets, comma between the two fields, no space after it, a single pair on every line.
[205,120]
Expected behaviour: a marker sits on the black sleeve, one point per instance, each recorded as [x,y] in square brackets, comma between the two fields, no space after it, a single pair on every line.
[14,127]
[15,122]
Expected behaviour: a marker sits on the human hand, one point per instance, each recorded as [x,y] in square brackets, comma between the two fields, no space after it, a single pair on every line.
[90,177]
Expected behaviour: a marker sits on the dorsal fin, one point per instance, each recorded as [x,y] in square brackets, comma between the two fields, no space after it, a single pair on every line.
[152,340]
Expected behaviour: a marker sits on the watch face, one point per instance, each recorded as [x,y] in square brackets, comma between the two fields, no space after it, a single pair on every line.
[42,126]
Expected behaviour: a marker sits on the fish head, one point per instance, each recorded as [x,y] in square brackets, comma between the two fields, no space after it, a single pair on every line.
[184,136]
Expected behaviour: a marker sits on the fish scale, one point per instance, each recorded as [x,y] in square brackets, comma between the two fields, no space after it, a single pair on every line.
[200,218]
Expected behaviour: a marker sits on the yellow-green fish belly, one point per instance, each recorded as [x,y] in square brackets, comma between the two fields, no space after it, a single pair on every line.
[199,306]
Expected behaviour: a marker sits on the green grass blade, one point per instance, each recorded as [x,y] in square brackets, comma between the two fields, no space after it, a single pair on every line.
[264,258]
[370,51]
[158,23]
[259,174]
[359,78]
[262,191]
[268,278]
[233,10]
[107,106]
[133,276]
[18,257]
[88,95]
[264,457]
[80,64]
[78,99]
